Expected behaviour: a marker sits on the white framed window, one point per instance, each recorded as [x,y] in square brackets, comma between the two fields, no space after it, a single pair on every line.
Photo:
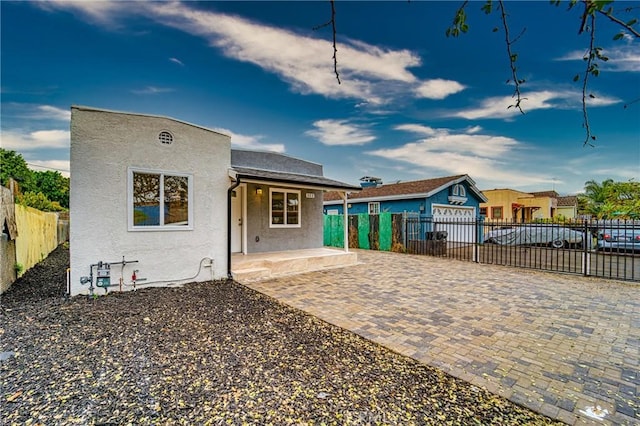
[159,200]
[284,208]
[374,208]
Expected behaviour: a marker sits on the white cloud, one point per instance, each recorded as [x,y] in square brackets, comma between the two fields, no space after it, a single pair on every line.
[418,129]
[251,142]
[101,12]
[485,158]
[48,112]
[16,140]
[152,90]
[177,61]
[368,73]
[301,60]
[622,57]
[438,88]
[504,107]
[340,132]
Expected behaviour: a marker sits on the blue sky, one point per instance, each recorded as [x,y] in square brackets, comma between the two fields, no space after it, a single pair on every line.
[413,104]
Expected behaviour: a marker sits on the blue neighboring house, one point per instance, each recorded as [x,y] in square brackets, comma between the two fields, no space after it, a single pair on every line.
[443,199]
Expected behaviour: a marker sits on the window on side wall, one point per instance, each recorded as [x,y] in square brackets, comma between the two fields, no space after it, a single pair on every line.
[483,211]
[160,200]
[496,213]
[284,208]
[374,208]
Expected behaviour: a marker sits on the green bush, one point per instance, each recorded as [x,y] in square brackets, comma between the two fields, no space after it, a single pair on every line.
[39,201]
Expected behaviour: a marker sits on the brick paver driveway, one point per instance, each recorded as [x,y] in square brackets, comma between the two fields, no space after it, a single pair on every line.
[561,345]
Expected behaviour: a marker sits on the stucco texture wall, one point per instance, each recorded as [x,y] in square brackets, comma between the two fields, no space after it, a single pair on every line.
[262,238]
[104,146]
[37,237]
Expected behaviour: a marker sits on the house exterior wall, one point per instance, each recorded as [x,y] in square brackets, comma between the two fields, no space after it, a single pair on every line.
[547,209]
[262,238]
[504,198]
[568,212]
[104,145]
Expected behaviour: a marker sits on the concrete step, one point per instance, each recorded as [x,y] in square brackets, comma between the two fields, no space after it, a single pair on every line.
[251,274]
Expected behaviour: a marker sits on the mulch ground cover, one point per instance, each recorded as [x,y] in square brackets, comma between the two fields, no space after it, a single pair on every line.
[209,353]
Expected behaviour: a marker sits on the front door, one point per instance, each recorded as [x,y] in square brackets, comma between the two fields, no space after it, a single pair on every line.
[236,220]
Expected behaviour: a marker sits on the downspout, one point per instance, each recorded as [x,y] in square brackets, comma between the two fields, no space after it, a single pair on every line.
[229,192]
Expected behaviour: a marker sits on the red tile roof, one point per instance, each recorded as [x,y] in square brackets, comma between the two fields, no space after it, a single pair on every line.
[393,189]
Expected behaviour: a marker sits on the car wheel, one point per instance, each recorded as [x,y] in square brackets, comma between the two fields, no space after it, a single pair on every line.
[557,244]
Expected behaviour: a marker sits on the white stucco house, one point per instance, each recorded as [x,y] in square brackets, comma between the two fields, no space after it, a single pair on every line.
[158,201]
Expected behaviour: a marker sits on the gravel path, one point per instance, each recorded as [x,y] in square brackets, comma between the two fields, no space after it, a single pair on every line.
[210,353]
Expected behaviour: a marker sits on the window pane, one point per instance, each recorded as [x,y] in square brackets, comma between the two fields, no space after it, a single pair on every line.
[176,200]
[277,208]
[146,199]
[292,208]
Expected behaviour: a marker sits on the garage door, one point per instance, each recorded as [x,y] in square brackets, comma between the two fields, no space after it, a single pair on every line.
[457,221]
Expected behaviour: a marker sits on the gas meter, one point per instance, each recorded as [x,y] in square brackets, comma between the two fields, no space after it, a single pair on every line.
[103,275]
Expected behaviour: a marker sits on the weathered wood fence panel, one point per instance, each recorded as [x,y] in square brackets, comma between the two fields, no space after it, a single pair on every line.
[37,235]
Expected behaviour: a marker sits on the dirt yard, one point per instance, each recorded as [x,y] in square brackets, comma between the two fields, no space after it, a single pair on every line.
[209,353]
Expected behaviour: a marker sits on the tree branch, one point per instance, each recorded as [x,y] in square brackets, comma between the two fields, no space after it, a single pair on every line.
[332,22]
[621,23]
[590,68]
[512,58]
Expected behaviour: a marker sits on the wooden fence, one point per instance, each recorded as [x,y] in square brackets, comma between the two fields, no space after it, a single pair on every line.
[28,236]
[372,232]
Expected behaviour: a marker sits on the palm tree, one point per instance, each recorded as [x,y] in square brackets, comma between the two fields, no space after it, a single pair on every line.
[595,196]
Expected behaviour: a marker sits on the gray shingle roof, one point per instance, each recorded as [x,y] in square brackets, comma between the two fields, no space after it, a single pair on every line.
[320,182]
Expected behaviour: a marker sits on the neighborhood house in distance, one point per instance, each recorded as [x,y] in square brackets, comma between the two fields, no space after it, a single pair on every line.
[450,199]
[158,201]
[510,205]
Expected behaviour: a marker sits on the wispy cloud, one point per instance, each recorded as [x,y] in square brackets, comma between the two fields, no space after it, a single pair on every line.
[439,88]
[152,90]
[504,107]
[623,57]
[17,141]
[177,61]
[251,142]
[340,132]
[48,112]
[486,158]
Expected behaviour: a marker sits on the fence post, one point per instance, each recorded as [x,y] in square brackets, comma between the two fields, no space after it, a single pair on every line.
[586,258]
[476,242]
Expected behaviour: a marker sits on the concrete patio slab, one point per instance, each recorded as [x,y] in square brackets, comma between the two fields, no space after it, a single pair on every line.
[562,345]
[259,266]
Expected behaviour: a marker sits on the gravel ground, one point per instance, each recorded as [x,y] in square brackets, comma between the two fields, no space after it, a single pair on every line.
[210,353]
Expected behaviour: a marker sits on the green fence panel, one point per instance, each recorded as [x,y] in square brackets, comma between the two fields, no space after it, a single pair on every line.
[326,230]
[337,236]
[385,231]
[363,231]
[333,234]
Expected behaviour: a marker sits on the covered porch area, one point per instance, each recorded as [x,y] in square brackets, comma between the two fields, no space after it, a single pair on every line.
[261,266]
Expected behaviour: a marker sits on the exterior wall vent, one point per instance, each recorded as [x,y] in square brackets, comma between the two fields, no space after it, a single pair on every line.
[165,137]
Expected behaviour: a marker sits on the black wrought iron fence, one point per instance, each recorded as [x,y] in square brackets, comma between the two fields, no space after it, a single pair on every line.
[609,249]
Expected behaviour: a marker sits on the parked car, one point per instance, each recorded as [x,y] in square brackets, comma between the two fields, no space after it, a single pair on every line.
[543,235]
[619,239]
